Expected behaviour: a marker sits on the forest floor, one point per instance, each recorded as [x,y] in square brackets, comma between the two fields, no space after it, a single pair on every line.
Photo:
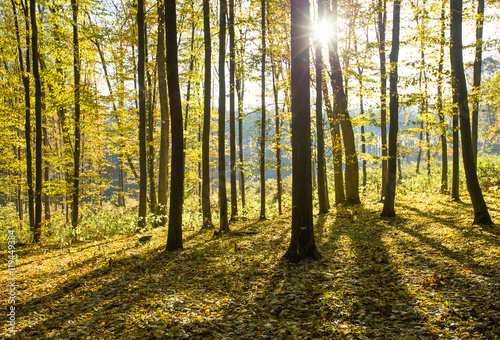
[423,275]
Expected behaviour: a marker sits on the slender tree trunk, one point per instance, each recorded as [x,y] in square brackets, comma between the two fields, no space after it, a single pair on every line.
[150,134]
[455,181]
[143,178]
[174,240]
[37,234]
[420,142]
[382,15]
[165,120]
[340,110]
[224,225]
[205,195]
[232,113]
[277,124]
[481,214]
[477,76]
[337,147]
[324,205]
[240,90]
[263,116]
[302,243]
[121,183]
[388,210]
[27,124]
[442,123]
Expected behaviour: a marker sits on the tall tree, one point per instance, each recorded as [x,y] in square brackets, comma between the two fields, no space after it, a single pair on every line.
[37,232]
[165,120]
[388,210]
[205,187]
[455,176]
[481,214]
[263,115]
[324,205]
[277,136]
[478,59]
[224,225]
[381,24]
[302,244]
[341,112]
[27,125]
[143,179]
[442,123]
[232,113]
[174,240]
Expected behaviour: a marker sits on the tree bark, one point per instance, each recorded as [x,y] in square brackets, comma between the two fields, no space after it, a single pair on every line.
[388,210]
[174,240]
[382,15]
[205,189]
[477,76]
[442,123]
[224,225]
[302,244]
[340,111]
[232,114]
[143,179]
[324,205]
[165,120]
[263,115]
[481,214]
[277,136]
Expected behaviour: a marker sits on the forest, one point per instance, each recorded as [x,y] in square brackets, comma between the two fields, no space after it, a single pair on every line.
[250,169]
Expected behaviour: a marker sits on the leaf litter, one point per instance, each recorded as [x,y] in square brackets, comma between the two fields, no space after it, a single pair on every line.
[427,274]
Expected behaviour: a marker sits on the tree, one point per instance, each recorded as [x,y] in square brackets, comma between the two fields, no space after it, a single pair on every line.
[205,187]
[324,205]
[232,113]
[302,244]
[174,240]
[143,179]
[224,225]
[27,125]
[388,210]
[478,58]
[263,115]
[381,23]
[37,232]
[442,123]
[342,114]
[481,214]
[165,120]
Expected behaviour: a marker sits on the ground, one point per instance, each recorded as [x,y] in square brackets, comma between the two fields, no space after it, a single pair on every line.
[426,274]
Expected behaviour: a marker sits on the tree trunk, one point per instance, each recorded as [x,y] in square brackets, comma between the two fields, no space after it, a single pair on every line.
[340,111]
[477,76]
[143,179]
[455,181]
[205,195]
[232,114]
[324,205]
[337,147]
[481,214]
[165,120]
[382,15]
[302,245]
[76,161]
[174,240]
[442,123]
[27,124]
[224,225]
[263,116]
[277,124]
[388,210]
[240,90]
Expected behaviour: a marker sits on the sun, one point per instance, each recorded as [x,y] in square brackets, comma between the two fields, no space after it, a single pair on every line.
[323,31]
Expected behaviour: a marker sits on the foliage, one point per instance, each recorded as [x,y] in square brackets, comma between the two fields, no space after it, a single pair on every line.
[488,171]
[429,274]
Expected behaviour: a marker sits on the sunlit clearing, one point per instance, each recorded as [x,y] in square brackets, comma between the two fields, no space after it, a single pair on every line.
[323,31]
